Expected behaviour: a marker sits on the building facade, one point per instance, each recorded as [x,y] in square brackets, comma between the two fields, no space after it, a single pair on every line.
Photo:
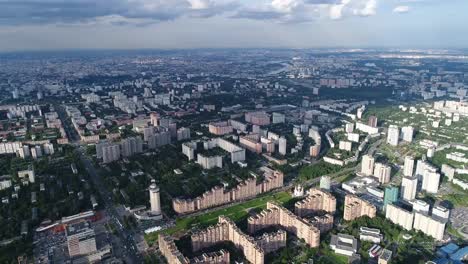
[367,165]
[219,195]
[277,215]
[393,135]
[399,216]
[317,200]
[355,207]
[409,187]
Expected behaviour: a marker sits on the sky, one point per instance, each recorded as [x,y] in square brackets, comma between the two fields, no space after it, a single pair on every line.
[181,24]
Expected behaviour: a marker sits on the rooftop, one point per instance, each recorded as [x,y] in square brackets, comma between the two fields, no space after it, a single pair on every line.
[344,242]
[386,254]
[449,248]
[78,228]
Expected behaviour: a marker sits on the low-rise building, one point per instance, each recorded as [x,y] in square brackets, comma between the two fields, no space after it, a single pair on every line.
[370,234]
[80,239]
[343,244]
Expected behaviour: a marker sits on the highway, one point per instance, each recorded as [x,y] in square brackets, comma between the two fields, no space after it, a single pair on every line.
[125,236]
[125,247]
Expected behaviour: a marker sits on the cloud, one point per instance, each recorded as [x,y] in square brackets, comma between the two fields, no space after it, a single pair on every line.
[286,6]
[200,4]
[282,11]
[84,11]
[323,2]
[345,8]
[258,14]
[144,12]
[401,9]
[369,8]
[299,11]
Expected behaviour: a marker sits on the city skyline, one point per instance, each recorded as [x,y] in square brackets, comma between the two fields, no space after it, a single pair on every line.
[233,131]
[181,24]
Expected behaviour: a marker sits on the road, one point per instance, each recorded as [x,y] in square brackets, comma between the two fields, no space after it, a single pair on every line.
[123,236]
[126,236]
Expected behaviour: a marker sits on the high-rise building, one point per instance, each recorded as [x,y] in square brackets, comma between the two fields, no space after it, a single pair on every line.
[148,132]
[314,151]
[131,146]
[430,181]
[159,139]
[372,121]
[441,213]
[382,172]
[399,216]
[81,239]
[428,175]
[367,165]
[391,195]
[408,167]
[36,152]
[183,133]
[155,200]
[282,146]
[420,206]
[356,207]
[317,200]
[220,128]
[24,152]
[393,135]
[49,149]
[407,133]
[325,182]
[429,226]
[431,152]
[409,188]
[421,165]
[257,118]
[108,152]
[154,117]
[278,118]
[315,135]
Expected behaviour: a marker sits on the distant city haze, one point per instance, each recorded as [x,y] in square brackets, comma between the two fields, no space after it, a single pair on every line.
[167,24]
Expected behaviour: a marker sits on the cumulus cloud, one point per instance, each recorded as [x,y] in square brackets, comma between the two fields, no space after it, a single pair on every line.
[369,8]
[83,11]
[142,12]
[401,9]
[353,7]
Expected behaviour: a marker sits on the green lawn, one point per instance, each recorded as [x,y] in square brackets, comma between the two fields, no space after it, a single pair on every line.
[333,258]
[452,231]
[456,199]
[316,170]
[236,213]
